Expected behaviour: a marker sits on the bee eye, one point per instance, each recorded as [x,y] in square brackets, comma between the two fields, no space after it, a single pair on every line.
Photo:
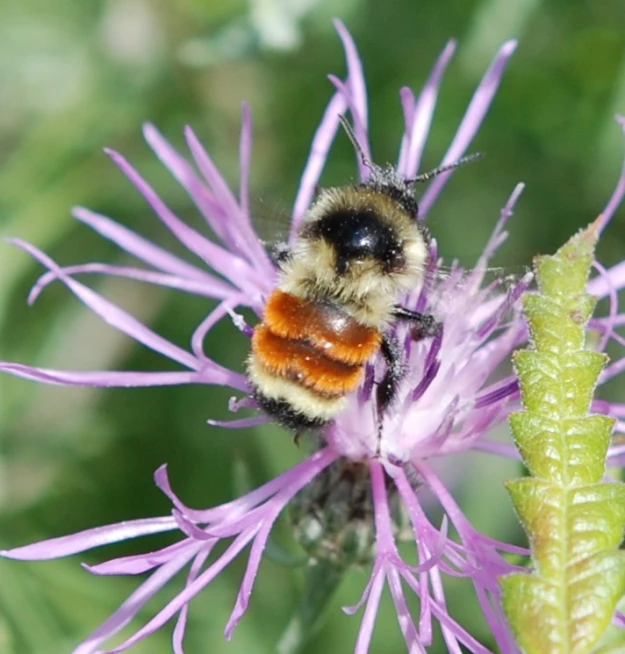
[361,241]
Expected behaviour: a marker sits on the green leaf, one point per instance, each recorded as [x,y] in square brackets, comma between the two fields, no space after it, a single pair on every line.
[574,521]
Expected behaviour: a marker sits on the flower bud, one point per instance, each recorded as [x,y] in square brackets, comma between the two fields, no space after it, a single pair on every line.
[333,516]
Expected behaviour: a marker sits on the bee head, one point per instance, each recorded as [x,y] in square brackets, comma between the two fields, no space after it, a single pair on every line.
[389,181]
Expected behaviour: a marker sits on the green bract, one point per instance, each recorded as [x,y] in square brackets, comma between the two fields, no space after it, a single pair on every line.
[574,520]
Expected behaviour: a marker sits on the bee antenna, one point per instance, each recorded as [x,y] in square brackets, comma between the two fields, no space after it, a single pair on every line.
[443,169]
[352,137]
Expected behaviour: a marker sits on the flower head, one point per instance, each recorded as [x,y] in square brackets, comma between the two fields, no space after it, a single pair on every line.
[446,402]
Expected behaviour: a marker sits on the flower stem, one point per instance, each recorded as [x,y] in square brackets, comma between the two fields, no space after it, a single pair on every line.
[322,580]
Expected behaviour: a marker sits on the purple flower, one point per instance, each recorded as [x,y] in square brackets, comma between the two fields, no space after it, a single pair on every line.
[447,402]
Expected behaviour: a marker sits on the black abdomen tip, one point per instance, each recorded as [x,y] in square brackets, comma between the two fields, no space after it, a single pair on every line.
[284,414]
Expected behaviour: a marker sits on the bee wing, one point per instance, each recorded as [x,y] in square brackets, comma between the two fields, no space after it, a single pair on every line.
[271,220]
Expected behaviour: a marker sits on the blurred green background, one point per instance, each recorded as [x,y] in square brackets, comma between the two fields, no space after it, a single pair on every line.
[76,75]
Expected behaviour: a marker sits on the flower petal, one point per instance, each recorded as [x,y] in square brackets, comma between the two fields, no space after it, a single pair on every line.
[141,248]
[418,124]
[215,289]
[111,379]
[322,140]
[55,548]
[232,267]
[617,196]
[406,623]
[478,107]
[135,602]
[357,90]
[245,237]
[112,314]
[186,595]
[371,611]
[137,563]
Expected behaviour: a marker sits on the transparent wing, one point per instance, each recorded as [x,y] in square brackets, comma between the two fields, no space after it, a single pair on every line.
[272,220]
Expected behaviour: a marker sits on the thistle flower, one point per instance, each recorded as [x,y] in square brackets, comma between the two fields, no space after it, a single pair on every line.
[447,402]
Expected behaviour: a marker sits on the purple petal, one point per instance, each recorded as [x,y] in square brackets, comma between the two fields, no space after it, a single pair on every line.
[354,96]
[385,541]
[612,370]
[224,262]
[350,610]
[219,312]
[418,127]
[495,240]
[191,530]
[242,423]
[245,157]
[614,278]
[406,623]
[253,563]
[447,502]
[428,377]
[408,102]
[609,408]
[619,191]
[606,326]
[371,611]
[245,237]
[112,314]
[135,602]
[215,215]
[453,632]
[324,136]
[421,525]
[141,248]
[138,563]
[609,322]
[500,392]
[181,623]
[110,379]
[478,107]
[495,618]
[508,301]
[359,130]
[186,595]
[216,289]
[299,474]
[357,97]
[55,548]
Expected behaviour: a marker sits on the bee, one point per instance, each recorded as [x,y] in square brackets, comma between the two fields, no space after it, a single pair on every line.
[359,248]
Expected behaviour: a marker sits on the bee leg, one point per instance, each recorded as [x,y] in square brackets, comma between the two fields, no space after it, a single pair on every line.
[387,388]
[424,325]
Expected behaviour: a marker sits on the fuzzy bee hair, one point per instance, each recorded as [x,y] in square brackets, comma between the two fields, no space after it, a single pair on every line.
[366,286]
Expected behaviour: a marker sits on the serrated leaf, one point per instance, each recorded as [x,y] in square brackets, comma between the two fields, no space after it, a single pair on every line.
[541,441]
[573,520]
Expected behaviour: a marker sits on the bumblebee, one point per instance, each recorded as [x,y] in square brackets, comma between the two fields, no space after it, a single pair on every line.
[359,249]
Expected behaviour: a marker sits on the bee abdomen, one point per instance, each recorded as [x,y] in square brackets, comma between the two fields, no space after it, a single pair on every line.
[305,364]
[306,356]
[324,325]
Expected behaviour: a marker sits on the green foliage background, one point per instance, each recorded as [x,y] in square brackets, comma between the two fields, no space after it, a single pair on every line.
[76,75]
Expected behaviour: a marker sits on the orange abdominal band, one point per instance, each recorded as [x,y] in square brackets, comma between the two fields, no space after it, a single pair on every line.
[328,328]
[313,344]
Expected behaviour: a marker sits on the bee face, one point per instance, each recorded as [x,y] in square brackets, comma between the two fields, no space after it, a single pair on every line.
[363,230]
[359,237]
